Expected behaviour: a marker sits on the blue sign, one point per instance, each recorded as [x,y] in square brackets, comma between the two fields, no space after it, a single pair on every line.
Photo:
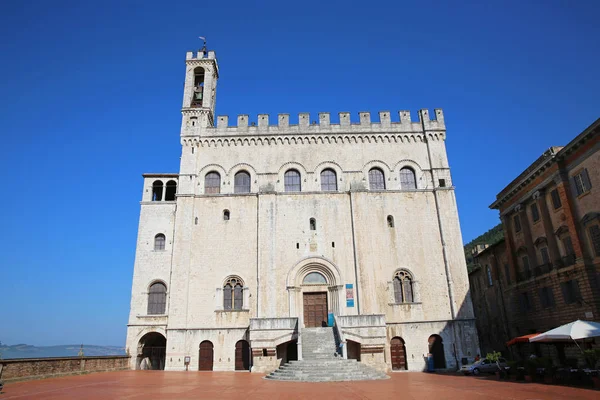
[349,295]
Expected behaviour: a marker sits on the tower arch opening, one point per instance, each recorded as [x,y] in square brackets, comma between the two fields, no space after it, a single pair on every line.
[198,89]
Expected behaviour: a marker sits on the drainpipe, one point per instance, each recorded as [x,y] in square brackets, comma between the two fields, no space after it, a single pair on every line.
[355,256]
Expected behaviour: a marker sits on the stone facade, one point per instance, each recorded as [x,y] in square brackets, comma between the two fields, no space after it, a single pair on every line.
[266,208]
[546,271]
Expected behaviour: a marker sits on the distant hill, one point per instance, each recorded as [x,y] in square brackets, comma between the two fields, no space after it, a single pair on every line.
[491,237]
[70,350]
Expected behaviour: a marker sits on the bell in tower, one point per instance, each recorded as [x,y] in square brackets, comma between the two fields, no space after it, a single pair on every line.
[198,92]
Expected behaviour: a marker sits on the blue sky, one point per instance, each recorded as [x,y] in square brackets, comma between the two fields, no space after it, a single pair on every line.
[91,92]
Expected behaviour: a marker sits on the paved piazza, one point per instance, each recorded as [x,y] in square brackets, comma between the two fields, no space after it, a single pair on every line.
[241,385]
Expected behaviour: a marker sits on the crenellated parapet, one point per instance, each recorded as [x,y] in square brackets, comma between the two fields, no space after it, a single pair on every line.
[321,125]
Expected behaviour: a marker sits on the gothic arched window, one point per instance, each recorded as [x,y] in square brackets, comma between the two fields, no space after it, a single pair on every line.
[407,179]
[291,180]
[403,287]
[159,242]
[328,180]
[233,294]
[157,298]
[212,183]
[376,179]
[241,182]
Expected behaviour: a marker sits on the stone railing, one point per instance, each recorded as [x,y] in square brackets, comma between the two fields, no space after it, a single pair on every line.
[20,369]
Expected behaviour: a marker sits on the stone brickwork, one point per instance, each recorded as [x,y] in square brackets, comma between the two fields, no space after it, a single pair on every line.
[38,368]
[551,245]
[270,239]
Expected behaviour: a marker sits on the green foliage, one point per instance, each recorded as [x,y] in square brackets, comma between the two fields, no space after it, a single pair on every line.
[591,357]
[493,357]
[491,237]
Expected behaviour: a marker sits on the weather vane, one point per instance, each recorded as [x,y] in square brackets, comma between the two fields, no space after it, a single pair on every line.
[204,45]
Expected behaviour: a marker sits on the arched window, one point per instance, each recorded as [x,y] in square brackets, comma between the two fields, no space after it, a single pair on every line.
[226,215]
[390,221]
[314,278]
[212,183]
[241,182]
[313,224]
[157,298]
[157,191]
[198,89]
[291,180]
[233,297]
[328,180]
[403,287]
[376,179]
[159,242]
[171,191]
[488,271]
[407,179]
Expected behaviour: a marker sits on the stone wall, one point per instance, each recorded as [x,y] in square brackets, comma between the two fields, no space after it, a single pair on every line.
[39,368]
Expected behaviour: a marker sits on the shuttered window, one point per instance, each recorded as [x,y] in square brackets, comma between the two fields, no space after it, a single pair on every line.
[581,182]
[157,299]
[570,291]
[595,238]
[535,214]
[556,203]
[544,254]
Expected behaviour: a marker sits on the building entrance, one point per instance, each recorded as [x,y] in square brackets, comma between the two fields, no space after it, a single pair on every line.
[315,309]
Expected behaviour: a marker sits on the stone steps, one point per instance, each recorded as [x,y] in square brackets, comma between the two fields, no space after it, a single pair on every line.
[322,363]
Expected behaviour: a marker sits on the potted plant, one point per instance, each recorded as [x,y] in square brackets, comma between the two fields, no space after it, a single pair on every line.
[549,369]
[531,365]
[591,359]
[494,357]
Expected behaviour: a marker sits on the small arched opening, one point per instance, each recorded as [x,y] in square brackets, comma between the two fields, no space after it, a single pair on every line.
[170,191]
[313,224]
[226,215]
[157,191]
[436,349]
[152,349]
[390,221]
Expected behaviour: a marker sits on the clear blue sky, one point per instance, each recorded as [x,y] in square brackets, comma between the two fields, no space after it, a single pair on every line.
[91,93]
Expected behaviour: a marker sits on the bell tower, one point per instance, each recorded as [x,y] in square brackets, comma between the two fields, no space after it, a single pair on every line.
[201,75]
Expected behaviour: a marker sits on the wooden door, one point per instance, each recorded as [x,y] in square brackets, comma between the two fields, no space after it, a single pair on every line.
[398,351]
[206,356]
[436,348]
[315,309]
[242,356]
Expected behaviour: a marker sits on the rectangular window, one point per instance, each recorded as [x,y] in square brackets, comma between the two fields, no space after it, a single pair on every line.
[570,291]
[544,254]
[581,182]
[507,273]
[595,238]
[568,245]
[525,302]
[535,214]
[546,297]
[517,222]
[525,260]
[556,199]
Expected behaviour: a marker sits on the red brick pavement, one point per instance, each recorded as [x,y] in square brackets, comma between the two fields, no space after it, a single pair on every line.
[243,385]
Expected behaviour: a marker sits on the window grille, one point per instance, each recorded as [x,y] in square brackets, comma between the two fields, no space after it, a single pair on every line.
[328,180]
[291,180]
[407,179]
[376,179]
[241,182]
[212,183]
[157,299]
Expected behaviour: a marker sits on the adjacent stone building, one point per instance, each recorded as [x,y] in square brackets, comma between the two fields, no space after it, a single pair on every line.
[273,226]
[546,271]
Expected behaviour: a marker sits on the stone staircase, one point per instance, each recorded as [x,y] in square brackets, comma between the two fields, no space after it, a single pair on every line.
[322,363]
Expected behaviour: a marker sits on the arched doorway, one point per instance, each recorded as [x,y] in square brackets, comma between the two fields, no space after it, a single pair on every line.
[206,356]
[436,348]
[398,351]
[152,350]
[242,356]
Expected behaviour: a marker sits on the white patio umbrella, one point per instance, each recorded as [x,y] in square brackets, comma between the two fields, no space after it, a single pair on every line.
[571,331]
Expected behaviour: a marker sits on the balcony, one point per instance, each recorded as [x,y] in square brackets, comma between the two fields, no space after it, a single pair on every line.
[543,269]
[566,261]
